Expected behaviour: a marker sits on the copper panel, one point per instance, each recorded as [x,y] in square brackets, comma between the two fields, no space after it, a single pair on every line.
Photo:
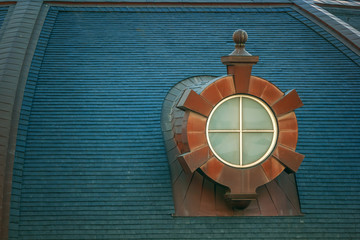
[252,209]
[257,86]
[241,77]
[222,209]
[190,100]
[178,137]
[180,187]
[229,177]
[195,140]
[226,86]
[212,94]
[239,201]
[281,202]
[193,131]
[271,94]
[175,170]
[195,123]
[288,122]
[288,103]
[285,181]
[182,143]
[212,168]
[207,203]
[233,59]
[272,168]
[266,204]
[242,181]
[288,157]
[193,160]
[182,146]
[292,178]
[192,198]
[288,139]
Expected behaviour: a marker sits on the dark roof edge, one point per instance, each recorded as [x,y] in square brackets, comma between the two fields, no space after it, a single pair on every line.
[335,26]
[338,4]
[173,1]
[310,9]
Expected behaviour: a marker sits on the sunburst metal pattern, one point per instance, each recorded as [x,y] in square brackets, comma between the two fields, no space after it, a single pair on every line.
[198,154]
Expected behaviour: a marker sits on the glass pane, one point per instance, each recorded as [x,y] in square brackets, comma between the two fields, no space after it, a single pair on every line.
[226,146]
[255,146]
[226,116]
[255,116]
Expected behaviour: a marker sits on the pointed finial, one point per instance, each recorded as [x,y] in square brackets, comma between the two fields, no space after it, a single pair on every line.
[240,37]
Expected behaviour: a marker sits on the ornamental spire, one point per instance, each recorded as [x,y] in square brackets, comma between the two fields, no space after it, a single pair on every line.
[240,37]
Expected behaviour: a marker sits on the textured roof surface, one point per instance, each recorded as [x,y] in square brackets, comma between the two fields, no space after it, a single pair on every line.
[90,159]
[350,16]
[345,3]
[3,12]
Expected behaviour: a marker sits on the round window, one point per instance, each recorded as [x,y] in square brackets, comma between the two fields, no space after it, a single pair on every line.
[241,131]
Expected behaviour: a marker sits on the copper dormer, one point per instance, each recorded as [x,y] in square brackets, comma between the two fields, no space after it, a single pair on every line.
[231,142]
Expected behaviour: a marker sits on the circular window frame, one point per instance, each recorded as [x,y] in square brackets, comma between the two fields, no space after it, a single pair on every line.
[275,131]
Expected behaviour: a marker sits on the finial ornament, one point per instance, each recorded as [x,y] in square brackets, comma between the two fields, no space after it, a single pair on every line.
[240,37]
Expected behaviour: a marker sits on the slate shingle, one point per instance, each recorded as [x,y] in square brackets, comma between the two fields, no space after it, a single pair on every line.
[95,164]
[3,12]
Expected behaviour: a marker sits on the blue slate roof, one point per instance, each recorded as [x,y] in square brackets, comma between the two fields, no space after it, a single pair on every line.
[3,12]
[90,160]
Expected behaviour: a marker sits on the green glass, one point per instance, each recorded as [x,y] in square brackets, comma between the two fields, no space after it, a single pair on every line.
[226,145]
[254,116]
[255,146]
[226,116]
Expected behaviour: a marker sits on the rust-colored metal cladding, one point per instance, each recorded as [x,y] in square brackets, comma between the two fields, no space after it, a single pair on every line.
[183,148]
[239,201]
[241,77]
[288,122]
[257,86]
[190,100]
[266,204]
[281,201]
[264,90]
[195,140]
[194,122]
[288,139]
[272,168]
[193,160]
[251,210]
[205,185]
[222,208]
[193,198]
[271,94]
[176,170]
[207,203]
[181,185]
[239,63]
[213,168]
[177,130]
[288,185]
[232,60]
[289,102]
[225,85]
[193,131]
[212,94]
[242,181]
[240,67]
[288,157]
